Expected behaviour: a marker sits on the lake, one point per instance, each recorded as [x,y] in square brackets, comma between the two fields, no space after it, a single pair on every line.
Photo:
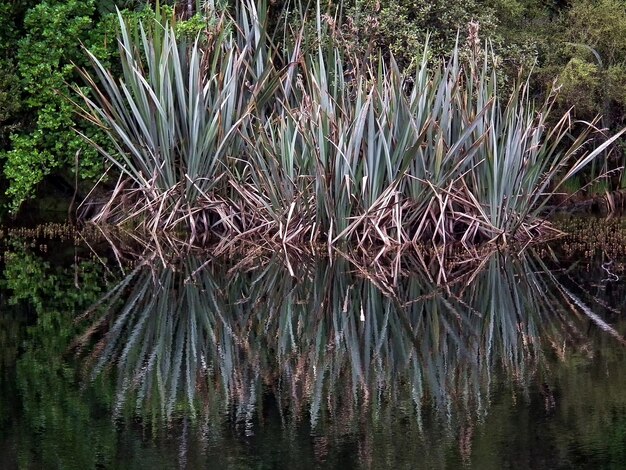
[139,356]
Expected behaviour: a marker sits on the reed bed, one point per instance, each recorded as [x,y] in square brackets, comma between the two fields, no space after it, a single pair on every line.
[232,137]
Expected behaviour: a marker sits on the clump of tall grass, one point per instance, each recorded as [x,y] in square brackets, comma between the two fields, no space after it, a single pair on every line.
[174,119]
[237,137]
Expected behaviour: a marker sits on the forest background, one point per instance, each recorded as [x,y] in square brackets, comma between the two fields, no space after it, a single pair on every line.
[579,44]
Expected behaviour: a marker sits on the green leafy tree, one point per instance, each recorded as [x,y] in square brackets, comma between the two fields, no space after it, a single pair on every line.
[597,45]
[47,56]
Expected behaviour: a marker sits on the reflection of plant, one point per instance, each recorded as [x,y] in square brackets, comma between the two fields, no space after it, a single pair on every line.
[56,426]
[29,278]
[275,354]
[186,340]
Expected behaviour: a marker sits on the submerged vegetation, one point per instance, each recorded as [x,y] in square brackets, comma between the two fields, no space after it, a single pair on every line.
[232,136]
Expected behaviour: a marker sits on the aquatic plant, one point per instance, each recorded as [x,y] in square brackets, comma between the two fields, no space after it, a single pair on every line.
[234,137]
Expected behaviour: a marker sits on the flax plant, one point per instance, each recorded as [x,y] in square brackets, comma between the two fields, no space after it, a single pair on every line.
[174,118]
[240,138]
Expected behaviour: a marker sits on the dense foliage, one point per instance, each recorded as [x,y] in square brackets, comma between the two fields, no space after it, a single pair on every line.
[580,43]
[39,52]
[224,139]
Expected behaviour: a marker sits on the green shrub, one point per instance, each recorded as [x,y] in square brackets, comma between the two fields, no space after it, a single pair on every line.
[594,53]
[10,105]
[45,60]
[579,82]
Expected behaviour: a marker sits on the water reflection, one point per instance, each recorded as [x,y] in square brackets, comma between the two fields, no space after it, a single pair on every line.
[208,364]
[191,338]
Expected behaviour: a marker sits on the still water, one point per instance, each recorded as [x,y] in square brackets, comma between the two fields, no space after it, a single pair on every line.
[116,358]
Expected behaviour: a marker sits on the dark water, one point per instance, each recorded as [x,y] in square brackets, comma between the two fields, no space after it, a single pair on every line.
[110,359]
